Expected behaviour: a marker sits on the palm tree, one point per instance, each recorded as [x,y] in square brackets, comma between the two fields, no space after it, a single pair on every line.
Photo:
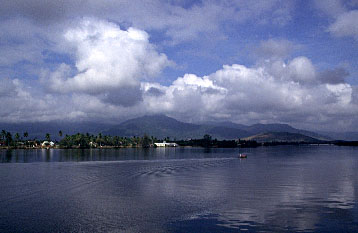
[60,133]
[99,139]
[48,137]
[26,134]
[152,138]
[17,137]
[3,134]
[146,141]
[8,138]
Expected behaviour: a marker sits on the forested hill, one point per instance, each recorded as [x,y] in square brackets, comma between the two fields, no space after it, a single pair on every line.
[162,126]
[159,126]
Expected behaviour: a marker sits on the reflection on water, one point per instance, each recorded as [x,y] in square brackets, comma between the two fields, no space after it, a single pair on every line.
[179,190]
[82,155]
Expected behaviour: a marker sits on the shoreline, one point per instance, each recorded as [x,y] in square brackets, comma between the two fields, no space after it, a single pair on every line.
[272,144]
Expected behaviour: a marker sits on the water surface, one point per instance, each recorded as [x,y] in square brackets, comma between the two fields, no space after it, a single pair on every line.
[286,188]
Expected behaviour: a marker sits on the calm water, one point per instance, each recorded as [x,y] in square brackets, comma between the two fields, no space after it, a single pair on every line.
[308,188]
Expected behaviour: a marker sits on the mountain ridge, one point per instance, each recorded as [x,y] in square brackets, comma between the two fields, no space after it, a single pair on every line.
[160,126]
[282,137]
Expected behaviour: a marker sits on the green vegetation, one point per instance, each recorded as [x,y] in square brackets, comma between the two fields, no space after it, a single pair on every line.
[208,142]
[8,141]
[80,140]
[99,141]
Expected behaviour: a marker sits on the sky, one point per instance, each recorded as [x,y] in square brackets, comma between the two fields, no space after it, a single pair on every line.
[252,61]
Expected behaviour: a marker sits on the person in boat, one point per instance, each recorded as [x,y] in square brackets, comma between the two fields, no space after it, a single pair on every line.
[242,156]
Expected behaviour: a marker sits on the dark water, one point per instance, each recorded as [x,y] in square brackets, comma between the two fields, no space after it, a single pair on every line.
[292,189]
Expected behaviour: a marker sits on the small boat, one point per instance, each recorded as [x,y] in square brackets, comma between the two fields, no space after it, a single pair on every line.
[242,156]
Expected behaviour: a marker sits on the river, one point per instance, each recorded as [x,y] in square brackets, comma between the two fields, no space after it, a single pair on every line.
[275,189]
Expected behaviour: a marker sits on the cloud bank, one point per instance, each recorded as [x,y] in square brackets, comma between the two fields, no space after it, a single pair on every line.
[112,79]
[256,94]
[109,61]
[346,25]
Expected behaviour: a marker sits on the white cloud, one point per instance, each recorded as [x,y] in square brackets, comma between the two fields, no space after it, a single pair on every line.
[7,87]
[17,103]
[346,25]
[108,60]
[251,95]
[235,92]
[345,15]
[302,70]
[110,77]
[180,22]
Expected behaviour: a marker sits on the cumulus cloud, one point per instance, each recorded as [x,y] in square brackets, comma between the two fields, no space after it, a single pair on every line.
[235,92]
[345,16]
[108,61]
[7,87]
[346,25]
[302,70]
[95,69]
[250,95]
[181,21]
[333,76]
[17,102]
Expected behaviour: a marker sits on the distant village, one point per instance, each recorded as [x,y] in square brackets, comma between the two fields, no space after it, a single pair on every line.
[7,140]
[17,141]
[86,141]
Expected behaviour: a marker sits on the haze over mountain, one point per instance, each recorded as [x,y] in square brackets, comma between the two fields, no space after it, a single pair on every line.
[161,126]
[281,137]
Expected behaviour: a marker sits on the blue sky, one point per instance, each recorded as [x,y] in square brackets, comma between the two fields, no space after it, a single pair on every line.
[269,61]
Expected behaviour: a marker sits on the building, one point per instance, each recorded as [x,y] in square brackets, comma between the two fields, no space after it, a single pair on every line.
[47,144]
[165,144]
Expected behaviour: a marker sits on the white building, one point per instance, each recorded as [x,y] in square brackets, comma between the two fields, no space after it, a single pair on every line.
[165,144]
[47,144]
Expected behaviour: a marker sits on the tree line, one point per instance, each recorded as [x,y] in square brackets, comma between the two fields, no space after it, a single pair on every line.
[87,140]
[78,140]
[8,139]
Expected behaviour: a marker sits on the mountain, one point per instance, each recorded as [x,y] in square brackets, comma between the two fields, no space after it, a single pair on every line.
[227,124]
[347,136]
[281,137]
[158,125]
[259,128]
[161,126]
[262,128]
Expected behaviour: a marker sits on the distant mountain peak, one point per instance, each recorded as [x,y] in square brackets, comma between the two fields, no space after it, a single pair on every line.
[155,118]
[157,125]
[281,137]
